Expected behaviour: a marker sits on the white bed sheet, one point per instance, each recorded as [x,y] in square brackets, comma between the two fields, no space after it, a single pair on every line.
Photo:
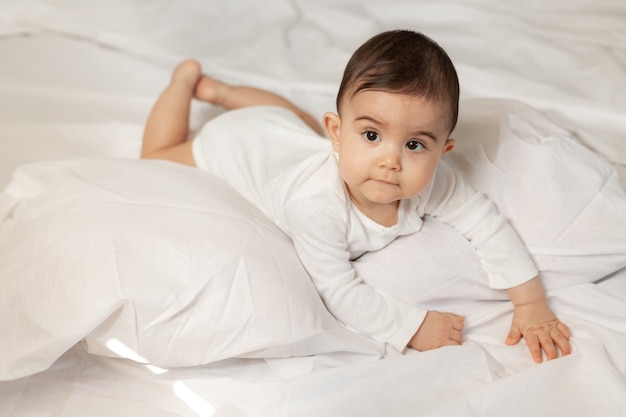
[78,79]
[482,378]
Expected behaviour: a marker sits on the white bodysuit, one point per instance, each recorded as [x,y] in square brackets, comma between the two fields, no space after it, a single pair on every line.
[290,173]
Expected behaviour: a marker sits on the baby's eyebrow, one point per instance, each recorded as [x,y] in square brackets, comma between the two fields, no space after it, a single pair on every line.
[426,133]
[430,135]
[369,119]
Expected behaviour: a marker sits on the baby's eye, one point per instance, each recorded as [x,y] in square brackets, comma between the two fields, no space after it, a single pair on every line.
[414,145]
[371,136]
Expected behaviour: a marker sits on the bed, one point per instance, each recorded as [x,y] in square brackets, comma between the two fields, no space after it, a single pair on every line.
[132,287]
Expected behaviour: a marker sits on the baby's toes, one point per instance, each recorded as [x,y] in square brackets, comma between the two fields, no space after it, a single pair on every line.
[187,71]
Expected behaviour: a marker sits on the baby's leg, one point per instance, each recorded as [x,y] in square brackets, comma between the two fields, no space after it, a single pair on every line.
[235,97]
[167,128]
[165,135]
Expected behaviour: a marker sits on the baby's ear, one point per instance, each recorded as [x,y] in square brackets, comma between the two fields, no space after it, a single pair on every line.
[449,145]
[332,124]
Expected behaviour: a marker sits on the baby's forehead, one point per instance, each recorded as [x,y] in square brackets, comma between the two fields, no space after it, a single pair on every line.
[365,98]
[381,104]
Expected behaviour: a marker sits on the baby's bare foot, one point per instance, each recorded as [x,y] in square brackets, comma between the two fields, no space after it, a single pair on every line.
[187,72]
[210,90]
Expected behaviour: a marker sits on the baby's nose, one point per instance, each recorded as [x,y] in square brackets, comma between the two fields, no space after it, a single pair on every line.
[391,160]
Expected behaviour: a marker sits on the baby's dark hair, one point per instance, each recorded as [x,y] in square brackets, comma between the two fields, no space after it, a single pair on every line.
[405,62]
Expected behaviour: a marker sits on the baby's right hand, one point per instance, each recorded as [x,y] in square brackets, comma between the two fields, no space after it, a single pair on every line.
[437,330]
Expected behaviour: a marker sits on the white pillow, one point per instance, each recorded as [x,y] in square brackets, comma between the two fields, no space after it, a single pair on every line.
[565,202]
[152,258]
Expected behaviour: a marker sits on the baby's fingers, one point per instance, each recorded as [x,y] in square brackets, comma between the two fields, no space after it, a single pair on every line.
[514,336]
[548,342]
[456,337]
[560,334]
[563,329]
[557,336]
[534,346]
[548,346]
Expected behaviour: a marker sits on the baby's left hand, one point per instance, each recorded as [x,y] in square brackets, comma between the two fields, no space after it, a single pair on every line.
[536,323]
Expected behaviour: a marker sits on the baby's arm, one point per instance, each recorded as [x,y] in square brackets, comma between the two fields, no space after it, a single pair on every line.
[318,226]
[504,257]
[536,323]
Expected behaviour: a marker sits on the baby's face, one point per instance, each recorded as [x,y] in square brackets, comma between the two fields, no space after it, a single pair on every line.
[389,145]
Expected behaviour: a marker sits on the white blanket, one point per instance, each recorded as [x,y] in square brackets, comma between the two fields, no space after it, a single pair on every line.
[77,80]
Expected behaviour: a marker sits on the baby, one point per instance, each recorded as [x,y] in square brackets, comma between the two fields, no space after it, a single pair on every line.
[375,179]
